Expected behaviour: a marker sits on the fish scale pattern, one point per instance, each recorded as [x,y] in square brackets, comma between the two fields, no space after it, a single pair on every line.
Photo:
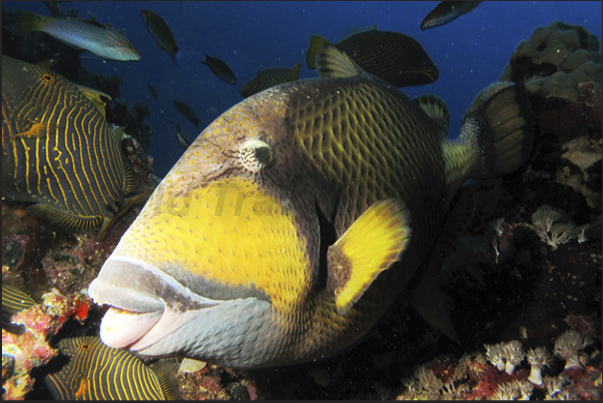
[360,138]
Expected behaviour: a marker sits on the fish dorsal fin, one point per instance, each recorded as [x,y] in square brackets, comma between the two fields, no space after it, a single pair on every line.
[332,62]
[119,132]
[371,245]
[94,96]
[317,42]
[357,30]
[295,72]
[436,109]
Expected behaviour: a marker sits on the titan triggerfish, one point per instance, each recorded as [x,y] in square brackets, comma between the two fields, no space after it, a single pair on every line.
[294,220]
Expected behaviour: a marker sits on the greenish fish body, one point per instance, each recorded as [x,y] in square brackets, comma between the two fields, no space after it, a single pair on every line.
[295,219]
[13,301]
[161,32]
[98,372]
[269,78]
[58,151]
[392,56]
[221,69]
[447,11]
[101,40]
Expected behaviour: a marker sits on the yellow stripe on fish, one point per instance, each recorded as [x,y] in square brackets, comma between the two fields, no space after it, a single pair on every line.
[58,151]
[98,372]
[297,217]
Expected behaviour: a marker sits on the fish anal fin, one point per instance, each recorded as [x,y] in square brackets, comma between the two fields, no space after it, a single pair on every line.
[65,219]
[371,245]
[317,42]
[428,300]
[37,130]
[332,62]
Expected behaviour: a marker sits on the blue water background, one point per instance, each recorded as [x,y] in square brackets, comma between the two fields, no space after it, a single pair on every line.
[470,52]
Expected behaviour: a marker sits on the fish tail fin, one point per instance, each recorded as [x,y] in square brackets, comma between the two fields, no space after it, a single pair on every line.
[331,62]
[178,56]
[27,21]
[317,42]
[502,130]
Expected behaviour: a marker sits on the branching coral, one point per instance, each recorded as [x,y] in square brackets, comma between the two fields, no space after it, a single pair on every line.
[538,358]
[543,221]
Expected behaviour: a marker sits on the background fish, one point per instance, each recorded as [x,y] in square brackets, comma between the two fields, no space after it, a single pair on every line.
[295,219]
[187,112]
[161,32]
[269,78]
[152,91]
[101,40]
[221,69]
[394,57]
[58,150]
[98,372]
[184,143]
[447,11]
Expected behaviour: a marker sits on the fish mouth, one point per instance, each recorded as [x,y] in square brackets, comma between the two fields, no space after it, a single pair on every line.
[146,304]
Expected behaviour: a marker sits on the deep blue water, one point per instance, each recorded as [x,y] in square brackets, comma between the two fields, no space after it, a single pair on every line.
[470,52]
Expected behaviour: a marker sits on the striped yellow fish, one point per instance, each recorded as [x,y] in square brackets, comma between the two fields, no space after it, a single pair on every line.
[58,151]
[284,231]
[98,372]
[101,40]
[13,301]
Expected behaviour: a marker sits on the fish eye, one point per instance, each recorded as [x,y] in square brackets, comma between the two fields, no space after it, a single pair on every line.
[85,346]
[47,77]
[255,155]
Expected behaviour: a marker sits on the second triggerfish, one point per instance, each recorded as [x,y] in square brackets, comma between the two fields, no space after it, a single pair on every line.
[294,220]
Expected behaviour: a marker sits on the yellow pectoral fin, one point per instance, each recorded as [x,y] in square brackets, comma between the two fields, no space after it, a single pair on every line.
[371,245]
[37,130]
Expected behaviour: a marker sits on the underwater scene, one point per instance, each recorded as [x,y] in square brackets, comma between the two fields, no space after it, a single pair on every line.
[301,200]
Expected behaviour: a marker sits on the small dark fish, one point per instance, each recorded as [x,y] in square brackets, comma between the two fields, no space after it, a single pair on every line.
[98,372]
[13,301]
[447,11]
[184,143]
[187,112]
[58,150]
[161,32]
[394,57]
[221,69]
[269,78]
[96,38]
[152,91]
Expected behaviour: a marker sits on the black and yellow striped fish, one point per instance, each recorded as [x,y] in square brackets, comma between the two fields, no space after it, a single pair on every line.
[98,372]
[58,150]
[13,301]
